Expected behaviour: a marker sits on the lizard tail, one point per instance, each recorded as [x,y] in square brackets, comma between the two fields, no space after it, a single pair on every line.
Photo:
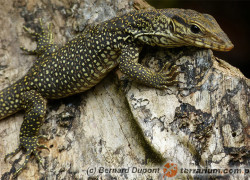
[10,100]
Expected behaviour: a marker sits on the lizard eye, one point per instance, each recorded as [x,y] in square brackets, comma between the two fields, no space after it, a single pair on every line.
[195,29]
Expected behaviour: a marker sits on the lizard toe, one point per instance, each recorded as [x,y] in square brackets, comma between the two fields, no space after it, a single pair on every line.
[20,169]
[12,153]
[42,146]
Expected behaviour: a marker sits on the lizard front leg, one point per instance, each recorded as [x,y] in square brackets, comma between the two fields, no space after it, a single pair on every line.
[128,64]
[45,41]
[35,108]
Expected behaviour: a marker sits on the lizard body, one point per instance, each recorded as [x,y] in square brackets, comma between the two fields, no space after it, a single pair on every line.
[84,61]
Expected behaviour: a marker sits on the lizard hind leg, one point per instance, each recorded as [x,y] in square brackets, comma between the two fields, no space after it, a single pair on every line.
[45,41]
[35,110]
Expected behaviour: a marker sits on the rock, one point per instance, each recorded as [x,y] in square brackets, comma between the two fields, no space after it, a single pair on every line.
[121,129]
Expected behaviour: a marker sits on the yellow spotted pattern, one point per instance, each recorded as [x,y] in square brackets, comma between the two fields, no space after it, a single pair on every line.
[85,60]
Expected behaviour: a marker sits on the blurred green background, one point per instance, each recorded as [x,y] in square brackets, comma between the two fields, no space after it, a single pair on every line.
[234,18]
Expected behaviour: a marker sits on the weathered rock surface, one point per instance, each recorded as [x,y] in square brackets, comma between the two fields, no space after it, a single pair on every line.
[201,123]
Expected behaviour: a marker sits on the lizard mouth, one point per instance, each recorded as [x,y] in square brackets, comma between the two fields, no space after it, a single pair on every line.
[216,46]
[229,48]
[219,47]
[222,45]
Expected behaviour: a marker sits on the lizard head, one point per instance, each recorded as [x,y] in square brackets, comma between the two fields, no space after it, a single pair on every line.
[201,30]
[180,27]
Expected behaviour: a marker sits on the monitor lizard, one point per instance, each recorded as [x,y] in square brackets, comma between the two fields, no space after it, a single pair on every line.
[85,60]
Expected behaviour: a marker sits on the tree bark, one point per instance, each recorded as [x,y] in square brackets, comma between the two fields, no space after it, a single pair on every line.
[203,122]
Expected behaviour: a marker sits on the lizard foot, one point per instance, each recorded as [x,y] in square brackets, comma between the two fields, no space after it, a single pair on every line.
[30,144]
[166,76]
[44,40]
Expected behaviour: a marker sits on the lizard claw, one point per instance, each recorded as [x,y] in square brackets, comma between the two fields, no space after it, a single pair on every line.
[30,144]
[171,71]
[28,51]
[23,165]
[42,137]
[44,40]
[38,158]
[165,67]
[33,34]
[42,146]
[165,79]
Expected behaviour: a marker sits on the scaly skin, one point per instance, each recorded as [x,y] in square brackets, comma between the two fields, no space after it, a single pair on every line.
[85,60]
